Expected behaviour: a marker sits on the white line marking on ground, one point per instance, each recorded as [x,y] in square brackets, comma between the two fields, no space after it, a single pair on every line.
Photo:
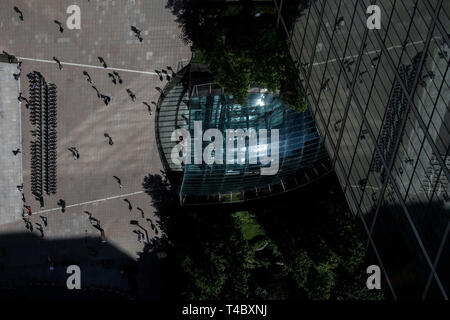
[88,66]
[20,132]
[89,202]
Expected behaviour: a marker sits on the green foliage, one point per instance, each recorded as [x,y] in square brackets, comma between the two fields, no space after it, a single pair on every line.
[248,225]
[273,251]
[323,256]
[299,267]
[319,245]
[215,260]
[228,253]
[219,258]
[241,46]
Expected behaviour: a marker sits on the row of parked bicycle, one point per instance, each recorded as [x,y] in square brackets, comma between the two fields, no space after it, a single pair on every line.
[43,116]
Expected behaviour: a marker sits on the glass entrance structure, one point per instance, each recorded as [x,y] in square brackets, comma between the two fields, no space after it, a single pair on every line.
[195,101]
[300,145]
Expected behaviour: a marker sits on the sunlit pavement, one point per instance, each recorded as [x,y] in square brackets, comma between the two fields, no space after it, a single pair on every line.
[87,184]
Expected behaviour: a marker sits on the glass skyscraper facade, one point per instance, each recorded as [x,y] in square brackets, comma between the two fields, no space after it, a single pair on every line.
[380,99]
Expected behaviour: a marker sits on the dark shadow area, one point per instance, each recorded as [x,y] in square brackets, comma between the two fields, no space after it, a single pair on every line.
[314,230]
[35,268]
[401,253]
[210,258]
[313,208]
[207,241]
[166,204]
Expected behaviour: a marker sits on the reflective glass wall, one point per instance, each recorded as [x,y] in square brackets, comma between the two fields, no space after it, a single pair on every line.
[380,98]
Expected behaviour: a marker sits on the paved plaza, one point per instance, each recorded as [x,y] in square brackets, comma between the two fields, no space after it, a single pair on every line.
[10,163]
[88,183]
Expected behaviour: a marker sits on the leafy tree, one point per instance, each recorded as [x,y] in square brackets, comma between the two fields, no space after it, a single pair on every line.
[319,243]
[214,259]
[241,46]
[284,248]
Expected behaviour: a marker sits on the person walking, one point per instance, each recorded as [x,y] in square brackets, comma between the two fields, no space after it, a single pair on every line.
[44,220]
[106,99]
[112,77]
[131,94]
[149,108]
[58,62]
[160,91]
[137,33]
[129,204]
[118,181]
[19,12]
[161,78]
[102,61]
[75,153]
[41,201]
[61,29]
[88,76]
[28,209]
[110,139]
[118,76]
[62,203]
[20,98]
[92,220]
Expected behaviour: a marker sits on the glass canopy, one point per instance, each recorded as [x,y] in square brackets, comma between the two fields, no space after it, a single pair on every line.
[300,145]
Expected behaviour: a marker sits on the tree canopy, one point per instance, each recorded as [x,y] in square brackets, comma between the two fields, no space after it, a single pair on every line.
[241,46]
[271,251]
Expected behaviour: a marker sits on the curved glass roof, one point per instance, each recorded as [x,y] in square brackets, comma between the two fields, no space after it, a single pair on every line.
[300,145]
